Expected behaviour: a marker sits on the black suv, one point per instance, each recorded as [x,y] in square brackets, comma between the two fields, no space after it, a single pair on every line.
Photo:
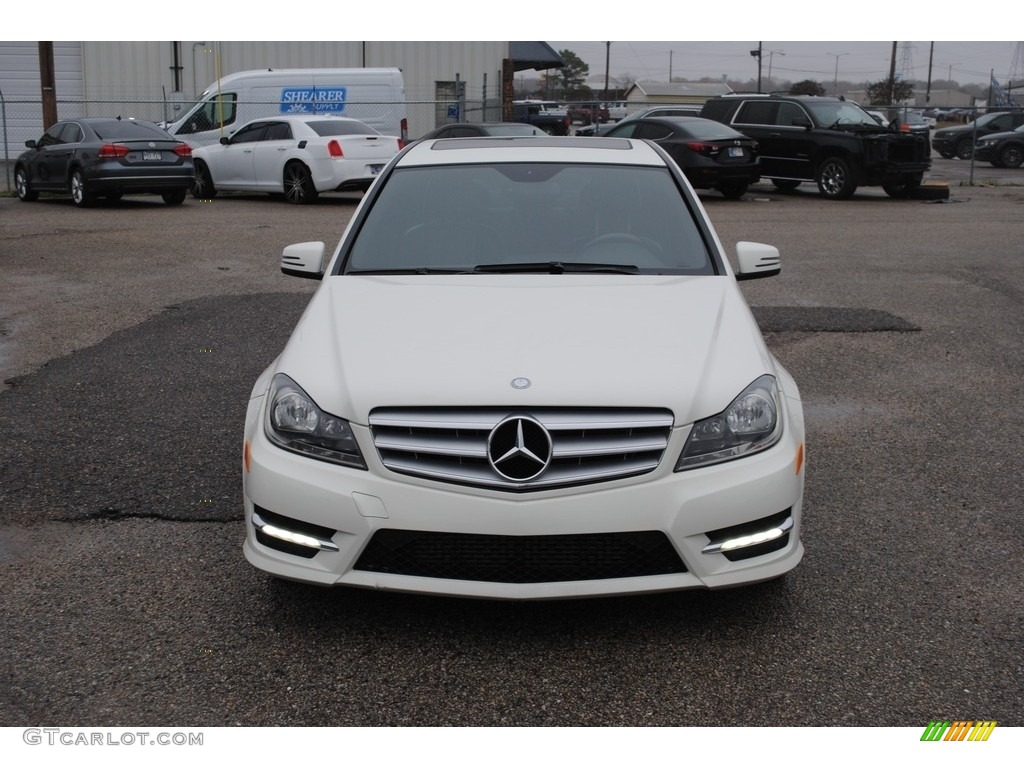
[958,141]
[829,141]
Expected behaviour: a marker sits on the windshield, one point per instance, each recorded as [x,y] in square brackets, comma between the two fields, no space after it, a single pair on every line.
[841,113]
[552,216]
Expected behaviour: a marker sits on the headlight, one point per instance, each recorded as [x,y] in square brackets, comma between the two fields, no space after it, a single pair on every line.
[750,424]
[294,422]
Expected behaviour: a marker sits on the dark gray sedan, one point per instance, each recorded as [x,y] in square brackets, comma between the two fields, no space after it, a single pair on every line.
[712,155]
[107,157]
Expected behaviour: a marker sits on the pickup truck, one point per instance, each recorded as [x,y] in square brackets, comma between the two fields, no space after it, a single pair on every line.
[534,114]
[831,142]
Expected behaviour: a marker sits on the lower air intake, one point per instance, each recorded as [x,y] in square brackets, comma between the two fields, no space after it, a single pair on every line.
[520,559]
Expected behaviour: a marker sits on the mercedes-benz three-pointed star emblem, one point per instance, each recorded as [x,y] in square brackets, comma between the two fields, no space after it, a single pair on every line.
[519,448]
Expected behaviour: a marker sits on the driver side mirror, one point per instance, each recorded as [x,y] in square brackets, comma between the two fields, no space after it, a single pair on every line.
[225,140]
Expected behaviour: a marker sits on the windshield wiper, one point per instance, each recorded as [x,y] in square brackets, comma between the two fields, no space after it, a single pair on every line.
[410,271]
[557,267]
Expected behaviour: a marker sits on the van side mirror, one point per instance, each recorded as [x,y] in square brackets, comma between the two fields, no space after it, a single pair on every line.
[303,260]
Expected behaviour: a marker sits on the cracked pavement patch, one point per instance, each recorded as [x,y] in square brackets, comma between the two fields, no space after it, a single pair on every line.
[147,423]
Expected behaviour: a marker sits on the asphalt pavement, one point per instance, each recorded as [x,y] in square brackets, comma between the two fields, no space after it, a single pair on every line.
[130,336]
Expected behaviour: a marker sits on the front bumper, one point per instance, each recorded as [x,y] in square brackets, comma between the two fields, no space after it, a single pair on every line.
[315,522]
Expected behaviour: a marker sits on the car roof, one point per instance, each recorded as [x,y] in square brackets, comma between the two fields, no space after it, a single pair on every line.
[531,149]
[107,119]
[305,118]
[485,125]
[796,96]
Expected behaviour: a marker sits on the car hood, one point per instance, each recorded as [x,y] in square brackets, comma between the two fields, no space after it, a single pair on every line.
[685,343]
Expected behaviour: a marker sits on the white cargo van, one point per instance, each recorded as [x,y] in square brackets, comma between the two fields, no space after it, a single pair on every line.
[376,96]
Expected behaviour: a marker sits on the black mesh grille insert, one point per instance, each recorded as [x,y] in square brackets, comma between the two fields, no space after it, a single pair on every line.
[520,559]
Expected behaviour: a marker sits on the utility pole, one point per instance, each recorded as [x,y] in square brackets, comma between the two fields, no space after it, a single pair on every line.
[607,58]
[757,54]
[928,90]
[48,82]
[892,76]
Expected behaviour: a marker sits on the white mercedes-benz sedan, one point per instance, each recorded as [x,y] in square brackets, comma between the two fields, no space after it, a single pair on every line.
[297,156]
[528,372]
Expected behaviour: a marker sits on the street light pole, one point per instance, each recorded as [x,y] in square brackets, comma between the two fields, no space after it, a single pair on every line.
[771,55]
[835,77]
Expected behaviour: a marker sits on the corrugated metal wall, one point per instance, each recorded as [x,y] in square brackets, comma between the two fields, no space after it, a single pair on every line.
[142,70]
[19,70]
[136,78]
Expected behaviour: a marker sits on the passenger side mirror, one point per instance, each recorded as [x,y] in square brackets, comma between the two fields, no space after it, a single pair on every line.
[225,140]
[303,260]
[757,260]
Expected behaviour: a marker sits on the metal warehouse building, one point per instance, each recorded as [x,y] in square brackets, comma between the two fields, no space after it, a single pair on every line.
[157,80]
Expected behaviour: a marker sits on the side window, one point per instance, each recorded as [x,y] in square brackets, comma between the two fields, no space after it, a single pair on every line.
[624,130]
[278,132]
[52,136]
[250,133]
[213,112]
[791,114]
[1001,123]
[755,113]
[72,134]
[652,131]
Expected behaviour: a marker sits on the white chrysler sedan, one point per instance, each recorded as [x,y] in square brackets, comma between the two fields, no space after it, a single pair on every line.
[298,156]
[528,372]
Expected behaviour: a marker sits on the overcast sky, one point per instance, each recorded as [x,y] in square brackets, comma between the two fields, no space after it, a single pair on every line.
[554,23]
[966,62]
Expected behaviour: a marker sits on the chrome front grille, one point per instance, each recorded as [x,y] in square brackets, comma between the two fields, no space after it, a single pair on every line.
[455,445]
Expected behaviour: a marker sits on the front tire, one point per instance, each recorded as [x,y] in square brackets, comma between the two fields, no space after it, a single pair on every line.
[298,185]
[174,198]
[904,187]
[835,181]
[947,155]
[1011,156]
[80,194]
[24,187]
[734,191]
[965,149]
[785,185]
[202,182]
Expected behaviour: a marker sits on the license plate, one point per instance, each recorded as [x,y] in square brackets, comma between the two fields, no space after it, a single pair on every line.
[375,169]
[152,155]
[735,151]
